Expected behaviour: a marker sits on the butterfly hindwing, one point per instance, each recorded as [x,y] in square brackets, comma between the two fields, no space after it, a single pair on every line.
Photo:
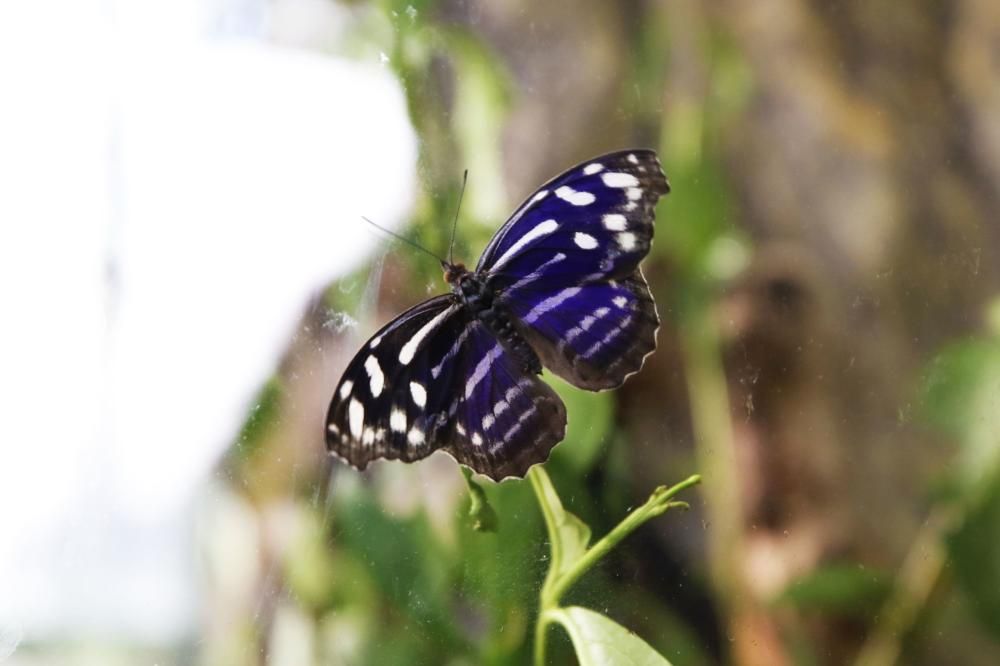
[505,418]
[594,335]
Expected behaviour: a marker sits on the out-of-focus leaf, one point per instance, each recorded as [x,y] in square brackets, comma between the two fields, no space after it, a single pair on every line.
[262,416]
[310,568]
[405,562]
[599,641]
[962,394]
[570,535]
[839,589]
[501,573]
[588,425]
[975,554]
[482,100]
[666,630]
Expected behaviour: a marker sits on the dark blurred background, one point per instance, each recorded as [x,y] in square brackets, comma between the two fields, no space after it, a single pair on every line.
[826,269]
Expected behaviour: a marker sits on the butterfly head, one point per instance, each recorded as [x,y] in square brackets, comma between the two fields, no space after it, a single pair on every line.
[453,273]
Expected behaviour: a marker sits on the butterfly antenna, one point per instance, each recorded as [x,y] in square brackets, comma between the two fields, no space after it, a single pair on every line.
[454,225]
[403,238]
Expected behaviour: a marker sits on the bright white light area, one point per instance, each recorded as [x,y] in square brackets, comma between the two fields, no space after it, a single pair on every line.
[168,204]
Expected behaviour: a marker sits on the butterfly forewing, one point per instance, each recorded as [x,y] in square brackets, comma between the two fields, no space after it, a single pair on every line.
[389,399]
[593,222]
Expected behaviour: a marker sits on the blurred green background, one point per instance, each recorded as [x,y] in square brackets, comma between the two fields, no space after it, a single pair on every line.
[826,270]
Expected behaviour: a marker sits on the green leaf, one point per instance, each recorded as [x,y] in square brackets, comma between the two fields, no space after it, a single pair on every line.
[500,573]
[962,394]
[975,553]
[848,590]
[588,425]
[405,562]
[570,535]
[482,102]
[599,641]
[263,415]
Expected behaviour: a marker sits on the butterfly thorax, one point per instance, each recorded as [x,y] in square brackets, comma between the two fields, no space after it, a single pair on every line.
[479,298]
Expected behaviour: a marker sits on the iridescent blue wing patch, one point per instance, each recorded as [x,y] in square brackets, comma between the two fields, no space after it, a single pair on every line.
[566,266]
[591,223]
[594,335]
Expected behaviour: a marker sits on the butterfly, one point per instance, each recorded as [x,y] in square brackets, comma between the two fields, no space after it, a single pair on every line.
[558,286]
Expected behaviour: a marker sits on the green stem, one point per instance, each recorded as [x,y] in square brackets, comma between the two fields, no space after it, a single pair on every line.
[535,475]
[541,632]
[656,505]
[556,585]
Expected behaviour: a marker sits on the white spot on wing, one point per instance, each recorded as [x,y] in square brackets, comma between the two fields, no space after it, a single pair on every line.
[488,421]
[415,436]
[345,389]
[626,240]
[616,179]
[397,420]
[633,194]
[568,194]
[460,429]
[615,222]
[410,348]
[593,168]
[477,439]
[333,428]
[620,301]
[585,241]
[633,159]
[368,437]
[541,194]
[375,376]
[418,393]
[541,229]
[374,342]
[356,417]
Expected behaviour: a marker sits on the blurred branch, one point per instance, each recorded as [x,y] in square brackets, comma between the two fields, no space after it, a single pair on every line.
[715,450]
[919,575]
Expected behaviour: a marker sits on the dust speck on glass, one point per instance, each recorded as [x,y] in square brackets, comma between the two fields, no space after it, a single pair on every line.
[559,286]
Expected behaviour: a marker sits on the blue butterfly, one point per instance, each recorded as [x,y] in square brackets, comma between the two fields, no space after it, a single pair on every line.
[558,286]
